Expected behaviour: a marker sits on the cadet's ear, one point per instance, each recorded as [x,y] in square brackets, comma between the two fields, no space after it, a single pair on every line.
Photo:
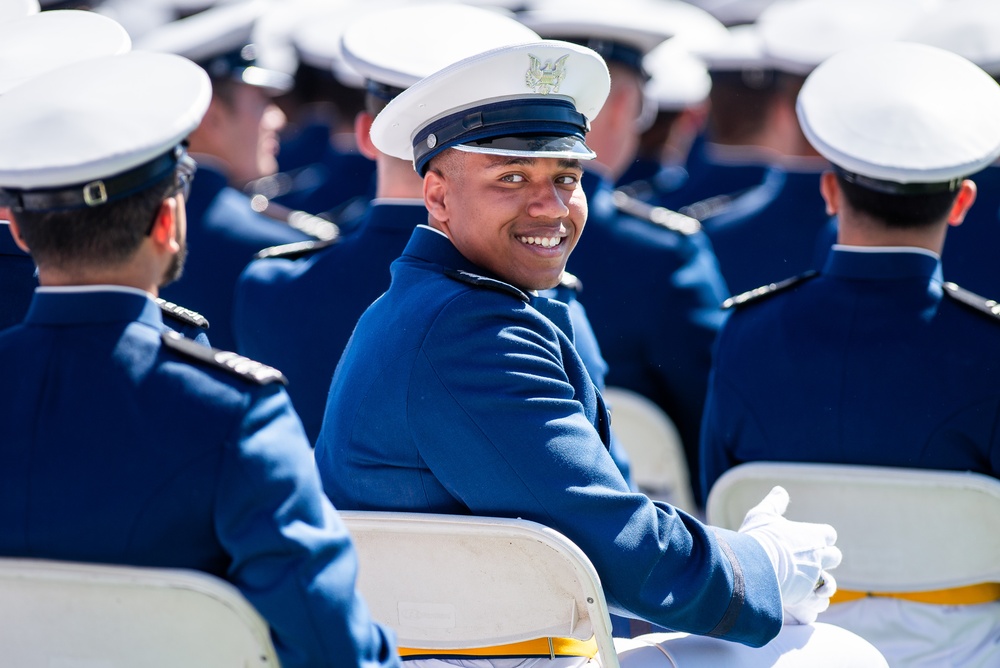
[164,231]
[362,135]
[830,190]
[435,189]
[15,231]
[963,201]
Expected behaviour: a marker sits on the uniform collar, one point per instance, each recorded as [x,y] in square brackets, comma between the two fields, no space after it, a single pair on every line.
[91,305]
[886,263]
[433,246]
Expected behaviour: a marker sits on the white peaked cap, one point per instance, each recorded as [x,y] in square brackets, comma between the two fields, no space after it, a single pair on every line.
[677,79]
[98,119]
[548,90]
[902,113]
[798,35]
[970,28]
[639,24]
[42,42]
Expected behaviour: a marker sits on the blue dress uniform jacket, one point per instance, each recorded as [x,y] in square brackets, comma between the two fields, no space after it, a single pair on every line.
[653,296]
[771,232]
[460,394]
[223,234]
[297,313]
[17,279]
[119,447]
[872,362]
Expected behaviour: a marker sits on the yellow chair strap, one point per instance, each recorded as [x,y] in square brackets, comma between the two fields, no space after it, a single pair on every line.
[986,592]
[529,648]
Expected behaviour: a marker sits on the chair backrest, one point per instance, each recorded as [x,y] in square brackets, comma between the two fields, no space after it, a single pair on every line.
[73,615]
[900,530]
[453,582]
[653,445]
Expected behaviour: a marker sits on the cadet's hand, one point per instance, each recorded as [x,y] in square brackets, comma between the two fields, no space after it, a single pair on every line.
[801,552]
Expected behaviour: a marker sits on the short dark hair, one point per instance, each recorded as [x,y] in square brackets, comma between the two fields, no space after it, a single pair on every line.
[103,235]
[895,210]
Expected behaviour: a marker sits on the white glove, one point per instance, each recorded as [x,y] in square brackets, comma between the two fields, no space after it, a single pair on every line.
[801,553]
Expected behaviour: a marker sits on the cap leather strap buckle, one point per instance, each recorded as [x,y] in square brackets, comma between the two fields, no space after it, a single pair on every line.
[95,194]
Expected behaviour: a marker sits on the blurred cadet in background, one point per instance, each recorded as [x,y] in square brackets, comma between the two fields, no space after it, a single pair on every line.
[235,143]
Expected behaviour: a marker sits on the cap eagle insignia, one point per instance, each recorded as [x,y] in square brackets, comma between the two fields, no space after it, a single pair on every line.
[544,78]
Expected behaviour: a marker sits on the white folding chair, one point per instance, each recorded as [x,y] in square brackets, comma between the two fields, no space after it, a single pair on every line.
[453,582]
[73,615]
[900,530]
[653,445]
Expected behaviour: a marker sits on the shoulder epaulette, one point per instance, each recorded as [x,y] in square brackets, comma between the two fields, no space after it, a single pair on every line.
[184,315]
[314,226]
[245,368]
[293,251]
[768,290]
[571,282]
[987,306]
[676,222]
[710,206]
[484,282]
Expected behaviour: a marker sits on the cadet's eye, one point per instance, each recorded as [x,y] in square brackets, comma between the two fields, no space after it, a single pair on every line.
[513,178]
[567,179]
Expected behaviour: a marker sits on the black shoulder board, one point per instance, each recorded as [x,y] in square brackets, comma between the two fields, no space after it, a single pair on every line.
[483,282]
[987,306]
[294,251]
[571,282]
[768,290]
[185,315]
[245,368]
[676,222]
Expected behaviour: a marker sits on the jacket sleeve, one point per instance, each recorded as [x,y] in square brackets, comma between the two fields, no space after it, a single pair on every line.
[503,424]
[291,555]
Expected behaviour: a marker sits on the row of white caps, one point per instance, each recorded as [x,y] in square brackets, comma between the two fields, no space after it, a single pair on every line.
[898,112]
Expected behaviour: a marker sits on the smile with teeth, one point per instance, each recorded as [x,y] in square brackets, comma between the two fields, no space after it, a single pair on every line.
[544,242]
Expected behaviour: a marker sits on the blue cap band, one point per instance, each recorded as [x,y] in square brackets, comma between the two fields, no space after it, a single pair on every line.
[97,192]
[550,116]
[894,188]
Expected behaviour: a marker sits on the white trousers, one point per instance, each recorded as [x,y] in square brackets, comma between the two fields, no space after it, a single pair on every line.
[920,635]
[808,646]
